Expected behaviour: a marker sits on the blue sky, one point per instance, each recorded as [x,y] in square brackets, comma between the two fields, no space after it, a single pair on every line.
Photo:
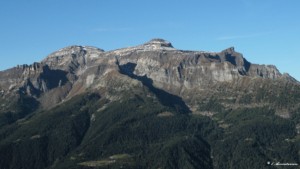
[265,31]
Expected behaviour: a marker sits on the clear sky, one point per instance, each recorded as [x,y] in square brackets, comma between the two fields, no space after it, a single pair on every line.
[265,31]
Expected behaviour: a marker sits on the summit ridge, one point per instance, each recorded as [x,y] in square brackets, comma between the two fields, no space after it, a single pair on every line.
[76,69]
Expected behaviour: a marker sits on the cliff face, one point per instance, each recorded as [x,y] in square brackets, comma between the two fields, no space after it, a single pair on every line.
[76,69]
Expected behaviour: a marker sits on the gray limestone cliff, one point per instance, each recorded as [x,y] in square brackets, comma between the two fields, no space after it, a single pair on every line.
[76,69]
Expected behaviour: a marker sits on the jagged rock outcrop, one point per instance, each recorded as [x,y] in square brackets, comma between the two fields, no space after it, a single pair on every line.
[74,58]
[76,69]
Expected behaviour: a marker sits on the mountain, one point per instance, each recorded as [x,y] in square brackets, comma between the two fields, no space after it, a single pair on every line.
[148,106]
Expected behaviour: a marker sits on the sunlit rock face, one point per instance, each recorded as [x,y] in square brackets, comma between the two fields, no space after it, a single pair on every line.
[77,69]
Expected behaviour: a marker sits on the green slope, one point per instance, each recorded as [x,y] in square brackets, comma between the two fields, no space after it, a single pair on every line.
[139,131]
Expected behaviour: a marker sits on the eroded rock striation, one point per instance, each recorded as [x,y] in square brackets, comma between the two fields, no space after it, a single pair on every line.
[76,69]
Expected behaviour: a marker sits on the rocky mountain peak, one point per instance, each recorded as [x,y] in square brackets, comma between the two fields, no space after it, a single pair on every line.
[229,50]
[75,49]
[75,69]
[158,44]
[72,56]
[149,100]
[152,45]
